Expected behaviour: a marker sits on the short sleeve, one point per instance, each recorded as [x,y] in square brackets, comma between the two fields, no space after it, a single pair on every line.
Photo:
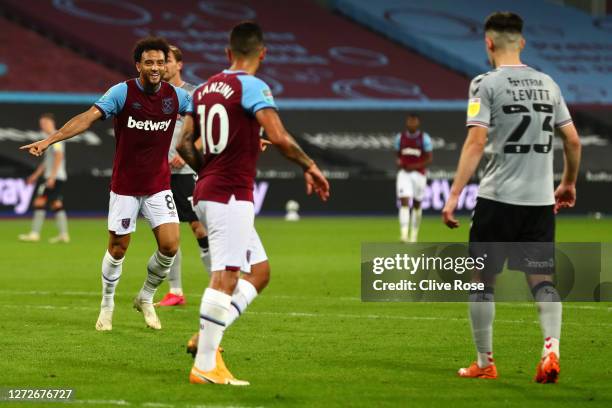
[185,101]
[562,115]
[427,145]
[111,103]
[479,103]
[396,142]
[256,94]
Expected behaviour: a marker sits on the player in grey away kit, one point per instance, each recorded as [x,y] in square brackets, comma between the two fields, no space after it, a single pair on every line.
[53,170]
[512,113]
[182,183]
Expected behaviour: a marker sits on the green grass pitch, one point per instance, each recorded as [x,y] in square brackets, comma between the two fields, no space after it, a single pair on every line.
[308,340]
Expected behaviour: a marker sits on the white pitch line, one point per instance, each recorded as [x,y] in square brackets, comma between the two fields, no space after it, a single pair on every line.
[322,315]
[355,299]
[124,403]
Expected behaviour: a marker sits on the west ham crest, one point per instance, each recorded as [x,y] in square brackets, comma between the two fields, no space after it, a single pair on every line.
[167,105]
[125,223]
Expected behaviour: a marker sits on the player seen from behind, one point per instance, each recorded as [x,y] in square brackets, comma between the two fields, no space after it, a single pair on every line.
[511,117]
[230,110]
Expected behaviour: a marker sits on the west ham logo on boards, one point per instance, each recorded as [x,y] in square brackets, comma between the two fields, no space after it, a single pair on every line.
[167,105]
[125,222]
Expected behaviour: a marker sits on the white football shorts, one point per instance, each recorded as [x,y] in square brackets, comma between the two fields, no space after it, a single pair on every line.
[157,209]
[233,241]
[411,184]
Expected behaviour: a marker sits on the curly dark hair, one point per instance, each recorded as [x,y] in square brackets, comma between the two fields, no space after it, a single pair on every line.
[148,44]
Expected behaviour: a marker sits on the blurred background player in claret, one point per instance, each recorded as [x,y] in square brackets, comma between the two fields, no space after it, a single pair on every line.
[414,154]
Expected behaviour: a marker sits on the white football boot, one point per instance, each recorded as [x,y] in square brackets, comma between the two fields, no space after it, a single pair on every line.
[148,311]
[105,320]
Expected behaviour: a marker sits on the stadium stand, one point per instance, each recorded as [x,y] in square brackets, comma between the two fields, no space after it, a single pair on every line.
[562,41]
[35,63]
[304,60]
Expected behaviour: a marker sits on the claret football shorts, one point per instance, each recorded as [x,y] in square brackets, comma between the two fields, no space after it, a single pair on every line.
[233,240]
[411,184]
[157,209]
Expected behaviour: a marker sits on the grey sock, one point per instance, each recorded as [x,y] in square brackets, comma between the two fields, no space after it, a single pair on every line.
[37,221]
[482,313]
[174,277]
[62,221]
[549,308]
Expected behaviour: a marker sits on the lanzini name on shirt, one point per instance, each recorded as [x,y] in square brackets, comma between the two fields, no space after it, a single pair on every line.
[219,87]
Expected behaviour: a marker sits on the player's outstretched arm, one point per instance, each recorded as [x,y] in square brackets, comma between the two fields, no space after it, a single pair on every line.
[273,126]
[468,162]
[565,194]
[186,146]
[73,127]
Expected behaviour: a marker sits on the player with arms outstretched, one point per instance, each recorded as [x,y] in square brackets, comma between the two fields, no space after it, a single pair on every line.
[145,111]
[512,113]
[414,154]
[229,111]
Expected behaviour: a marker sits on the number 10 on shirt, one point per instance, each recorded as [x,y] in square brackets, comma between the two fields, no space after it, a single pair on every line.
[206,127]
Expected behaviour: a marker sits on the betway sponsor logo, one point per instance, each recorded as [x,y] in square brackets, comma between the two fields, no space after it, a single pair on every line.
[16,193]
[148,124]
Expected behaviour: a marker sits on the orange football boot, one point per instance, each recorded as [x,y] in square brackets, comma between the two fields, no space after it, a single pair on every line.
[473,371]
[548,369]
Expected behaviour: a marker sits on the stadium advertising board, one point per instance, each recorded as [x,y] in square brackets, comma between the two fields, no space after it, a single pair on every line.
[354,148]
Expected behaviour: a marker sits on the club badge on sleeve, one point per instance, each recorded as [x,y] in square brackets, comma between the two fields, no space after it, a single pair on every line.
[473,107]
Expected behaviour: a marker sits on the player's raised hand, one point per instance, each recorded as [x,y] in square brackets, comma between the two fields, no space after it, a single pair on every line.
[565,196]
[36,148]
[316,181]
[448,212]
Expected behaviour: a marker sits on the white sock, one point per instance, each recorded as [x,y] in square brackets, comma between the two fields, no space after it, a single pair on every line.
[404,220]
[482,313]
[37,220]
[213,320]
[415,222]
[174,276]
[204,253]
[62,222]
[243,296]
[550,311]
[111,272]
[157,270]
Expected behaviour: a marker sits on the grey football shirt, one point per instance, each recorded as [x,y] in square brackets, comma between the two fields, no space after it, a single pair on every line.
[177,135]
[49,161]
[520,107]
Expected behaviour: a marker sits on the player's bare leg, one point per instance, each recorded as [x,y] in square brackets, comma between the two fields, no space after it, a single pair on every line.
[158,267]
[482,314]
[416,215]
[404,218]
[549,307]
[111,272]
[248,287]
[38,219]
[62,223]
[175,296]
[214,312]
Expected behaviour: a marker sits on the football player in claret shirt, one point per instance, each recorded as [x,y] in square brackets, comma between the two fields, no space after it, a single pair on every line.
[414,154]
[223,145]
[145,111]
[517,201]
